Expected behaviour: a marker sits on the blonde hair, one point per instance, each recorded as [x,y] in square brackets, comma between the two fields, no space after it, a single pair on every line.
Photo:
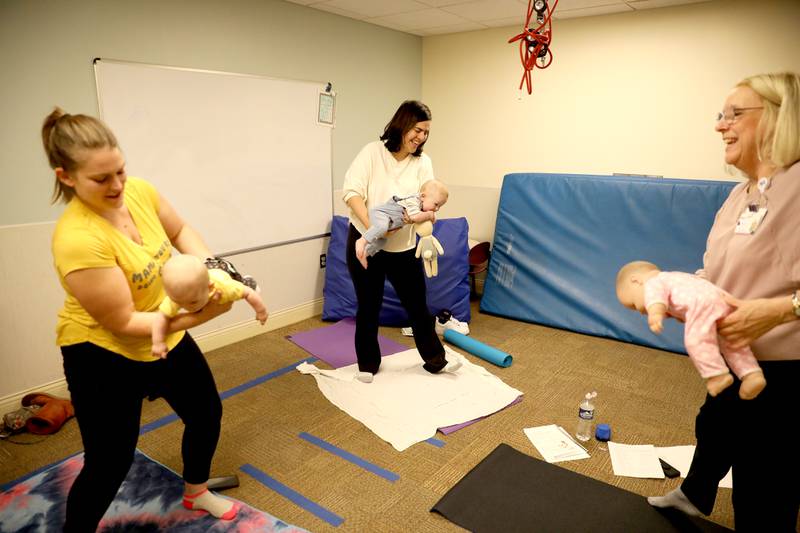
[778,138]
[65,138]
[437,187]
[634,267]
[182,275]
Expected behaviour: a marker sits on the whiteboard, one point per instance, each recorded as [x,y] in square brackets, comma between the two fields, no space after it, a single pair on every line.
[242,158]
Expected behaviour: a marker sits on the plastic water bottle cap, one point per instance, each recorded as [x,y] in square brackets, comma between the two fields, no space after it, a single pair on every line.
[603,432]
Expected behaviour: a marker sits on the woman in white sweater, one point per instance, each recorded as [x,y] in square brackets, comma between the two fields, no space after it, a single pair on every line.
[392,166]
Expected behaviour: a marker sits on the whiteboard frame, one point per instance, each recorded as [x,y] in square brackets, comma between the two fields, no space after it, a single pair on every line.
[227,253]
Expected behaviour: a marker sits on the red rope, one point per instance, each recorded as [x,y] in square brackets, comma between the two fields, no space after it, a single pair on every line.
[534,44]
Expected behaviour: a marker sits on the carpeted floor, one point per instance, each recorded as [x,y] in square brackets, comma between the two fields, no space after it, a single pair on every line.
[647,396]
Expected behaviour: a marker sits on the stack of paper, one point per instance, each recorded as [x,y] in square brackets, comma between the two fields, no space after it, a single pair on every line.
[635,460]
[555,444]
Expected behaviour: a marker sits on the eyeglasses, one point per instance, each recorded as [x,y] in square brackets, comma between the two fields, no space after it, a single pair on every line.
[733,114]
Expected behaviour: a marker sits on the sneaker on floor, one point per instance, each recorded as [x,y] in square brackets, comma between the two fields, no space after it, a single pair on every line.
[445,321]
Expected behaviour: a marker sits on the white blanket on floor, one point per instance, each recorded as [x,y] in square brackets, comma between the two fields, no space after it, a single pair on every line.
[406,404]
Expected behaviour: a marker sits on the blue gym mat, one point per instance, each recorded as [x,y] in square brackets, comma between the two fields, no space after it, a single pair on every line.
[560,239]
[449,290]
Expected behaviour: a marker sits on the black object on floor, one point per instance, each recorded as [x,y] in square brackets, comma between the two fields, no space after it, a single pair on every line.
[510,491]
[222,483]
[669,470]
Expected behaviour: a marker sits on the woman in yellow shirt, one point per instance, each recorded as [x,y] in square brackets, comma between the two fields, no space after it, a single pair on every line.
[108,248]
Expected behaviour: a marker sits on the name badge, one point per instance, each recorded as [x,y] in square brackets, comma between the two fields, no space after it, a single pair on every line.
[750,219]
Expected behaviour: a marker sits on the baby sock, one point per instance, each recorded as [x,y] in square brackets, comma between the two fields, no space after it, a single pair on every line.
[675,499]
[364,377]
[752,385]
[206,500]
[717,384]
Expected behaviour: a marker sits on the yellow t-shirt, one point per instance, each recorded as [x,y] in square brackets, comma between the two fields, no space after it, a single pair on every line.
[83,239]
[230,290]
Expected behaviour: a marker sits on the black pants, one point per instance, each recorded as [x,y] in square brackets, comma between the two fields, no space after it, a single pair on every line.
[758,438]
[405,273]
[107,391]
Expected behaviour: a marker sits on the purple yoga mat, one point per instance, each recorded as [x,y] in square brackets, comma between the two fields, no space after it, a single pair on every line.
[335,345]
[455,427]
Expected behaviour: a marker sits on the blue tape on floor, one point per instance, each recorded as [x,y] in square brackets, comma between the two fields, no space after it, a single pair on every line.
[366,465]
[435,442]
[244,386]
[228,393]
[155,424]
[292,495]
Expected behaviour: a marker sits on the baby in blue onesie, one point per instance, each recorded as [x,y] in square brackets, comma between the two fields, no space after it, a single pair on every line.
[396,213]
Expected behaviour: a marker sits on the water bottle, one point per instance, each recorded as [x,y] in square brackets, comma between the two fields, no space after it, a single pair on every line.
[586,417]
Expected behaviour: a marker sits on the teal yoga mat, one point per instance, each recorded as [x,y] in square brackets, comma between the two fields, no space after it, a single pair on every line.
[484,351]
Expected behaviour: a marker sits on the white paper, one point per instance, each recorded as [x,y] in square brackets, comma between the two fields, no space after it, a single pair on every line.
[555,444]
[681,458]
[635,460]
[327,107]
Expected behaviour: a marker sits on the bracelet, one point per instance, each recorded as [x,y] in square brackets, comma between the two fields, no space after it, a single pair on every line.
[796,304]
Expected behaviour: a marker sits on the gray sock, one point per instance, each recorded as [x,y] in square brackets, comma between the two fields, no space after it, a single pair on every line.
[676,500]
[364,377]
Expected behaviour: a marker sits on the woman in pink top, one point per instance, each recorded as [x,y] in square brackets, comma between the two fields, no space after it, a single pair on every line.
[753,252]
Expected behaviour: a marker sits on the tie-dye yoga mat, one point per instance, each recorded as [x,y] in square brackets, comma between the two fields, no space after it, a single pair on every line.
[149,500]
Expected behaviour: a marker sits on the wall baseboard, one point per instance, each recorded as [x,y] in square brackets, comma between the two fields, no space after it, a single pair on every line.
[207,342]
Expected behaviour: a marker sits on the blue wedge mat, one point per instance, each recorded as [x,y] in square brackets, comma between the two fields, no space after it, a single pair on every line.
[560,239]
[448,290]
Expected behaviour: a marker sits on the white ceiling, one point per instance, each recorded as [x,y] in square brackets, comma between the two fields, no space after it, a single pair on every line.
[431,17]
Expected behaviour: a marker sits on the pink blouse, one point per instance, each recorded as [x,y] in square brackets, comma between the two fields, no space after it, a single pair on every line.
[764,264]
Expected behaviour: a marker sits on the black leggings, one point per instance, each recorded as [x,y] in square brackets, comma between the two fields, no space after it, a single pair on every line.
[757,438]
[404,272]
[107,390]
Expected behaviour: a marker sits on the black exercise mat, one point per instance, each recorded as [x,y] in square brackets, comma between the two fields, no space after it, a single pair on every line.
[510,491]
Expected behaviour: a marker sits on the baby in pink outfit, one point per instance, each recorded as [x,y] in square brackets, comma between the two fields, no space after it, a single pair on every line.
[698,303]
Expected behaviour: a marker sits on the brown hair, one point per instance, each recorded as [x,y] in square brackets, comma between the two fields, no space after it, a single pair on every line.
[66,137]
[406,117]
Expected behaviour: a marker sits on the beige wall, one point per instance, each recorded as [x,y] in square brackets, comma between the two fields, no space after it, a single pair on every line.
[630,93]
[46,52]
